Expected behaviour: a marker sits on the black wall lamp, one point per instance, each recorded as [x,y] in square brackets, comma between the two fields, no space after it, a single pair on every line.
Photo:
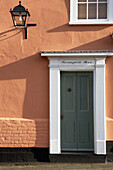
[20,17]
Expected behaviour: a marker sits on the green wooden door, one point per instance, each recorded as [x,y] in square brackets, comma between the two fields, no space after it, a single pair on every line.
[77,111]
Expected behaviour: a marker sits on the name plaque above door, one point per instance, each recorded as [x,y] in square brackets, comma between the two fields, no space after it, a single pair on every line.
[58,62]
[77,62]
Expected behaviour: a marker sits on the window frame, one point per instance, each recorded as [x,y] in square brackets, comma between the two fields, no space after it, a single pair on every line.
[74,15]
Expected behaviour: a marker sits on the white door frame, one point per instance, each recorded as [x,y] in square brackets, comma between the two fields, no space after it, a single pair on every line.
[95,63]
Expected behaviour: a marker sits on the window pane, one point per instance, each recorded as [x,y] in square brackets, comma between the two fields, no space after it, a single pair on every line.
[92,11]
[102,11]
[82,11]
[92,0]
[82,0]
[102,0]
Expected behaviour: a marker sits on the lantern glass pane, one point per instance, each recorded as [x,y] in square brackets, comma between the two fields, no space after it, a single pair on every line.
[16,13]
[19,20]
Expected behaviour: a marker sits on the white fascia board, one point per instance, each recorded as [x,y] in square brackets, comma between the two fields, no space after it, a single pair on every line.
[76,54]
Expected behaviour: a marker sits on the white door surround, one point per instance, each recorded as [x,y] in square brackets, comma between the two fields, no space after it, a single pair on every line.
[95,63]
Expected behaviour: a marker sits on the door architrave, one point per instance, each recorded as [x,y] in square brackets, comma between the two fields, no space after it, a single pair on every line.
[90,63]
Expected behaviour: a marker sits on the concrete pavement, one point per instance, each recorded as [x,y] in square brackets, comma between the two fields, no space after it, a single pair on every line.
[58,166]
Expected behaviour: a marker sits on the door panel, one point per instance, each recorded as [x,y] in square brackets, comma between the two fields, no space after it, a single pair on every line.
[70,137]
[68,91]
[84,132]
[85,110]
[77,108]
[83,86]
[68,94]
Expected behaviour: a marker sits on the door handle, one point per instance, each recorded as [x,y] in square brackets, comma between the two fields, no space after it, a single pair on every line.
[62,116]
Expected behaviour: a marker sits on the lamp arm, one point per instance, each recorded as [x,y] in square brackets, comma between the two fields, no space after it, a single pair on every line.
[26,32]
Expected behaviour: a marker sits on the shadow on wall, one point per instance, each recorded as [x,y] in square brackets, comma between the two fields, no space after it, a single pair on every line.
[7,34]
[77,28]
[67,3]
[105,43]
[35,70]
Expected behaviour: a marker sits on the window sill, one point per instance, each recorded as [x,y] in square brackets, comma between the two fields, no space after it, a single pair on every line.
[91,23]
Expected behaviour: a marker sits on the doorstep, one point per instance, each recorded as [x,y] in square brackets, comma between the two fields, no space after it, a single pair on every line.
[77,157]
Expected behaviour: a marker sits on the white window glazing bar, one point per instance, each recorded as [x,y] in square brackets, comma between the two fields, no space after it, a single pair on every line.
[97,9]
[107,8]
[87,9]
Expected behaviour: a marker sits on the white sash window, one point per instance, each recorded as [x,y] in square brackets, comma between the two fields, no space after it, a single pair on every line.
[91,12]
[92,9]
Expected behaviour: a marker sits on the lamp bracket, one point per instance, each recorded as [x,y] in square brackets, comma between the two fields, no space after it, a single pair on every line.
[28,25]
[31,25]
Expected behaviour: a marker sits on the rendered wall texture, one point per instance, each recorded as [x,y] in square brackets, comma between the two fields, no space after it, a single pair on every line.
[24,74]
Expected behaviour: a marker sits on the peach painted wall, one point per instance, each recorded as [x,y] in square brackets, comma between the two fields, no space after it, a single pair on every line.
[109,97]
[24,74]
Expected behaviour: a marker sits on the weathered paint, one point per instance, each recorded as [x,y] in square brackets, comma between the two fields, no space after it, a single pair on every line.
[24,74]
